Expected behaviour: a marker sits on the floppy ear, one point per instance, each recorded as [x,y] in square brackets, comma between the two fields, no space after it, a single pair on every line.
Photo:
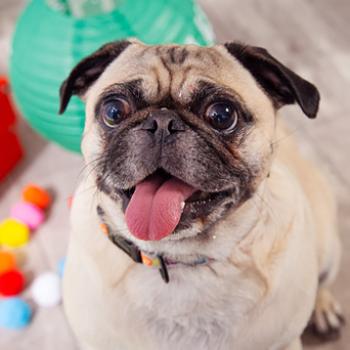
[88,70]
[282,85]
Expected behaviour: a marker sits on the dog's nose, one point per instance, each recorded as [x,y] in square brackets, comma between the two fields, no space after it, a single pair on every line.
[163,122]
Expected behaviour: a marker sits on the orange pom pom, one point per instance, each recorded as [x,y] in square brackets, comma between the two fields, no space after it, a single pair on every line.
[37,196]
[7,262]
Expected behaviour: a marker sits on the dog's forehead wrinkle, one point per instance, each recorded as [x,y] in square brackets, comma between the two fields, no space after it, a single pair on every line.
[172,70]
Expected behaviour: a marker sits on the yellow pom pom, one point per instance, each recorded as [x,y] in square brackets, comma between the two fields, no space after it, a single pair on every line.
[13,233]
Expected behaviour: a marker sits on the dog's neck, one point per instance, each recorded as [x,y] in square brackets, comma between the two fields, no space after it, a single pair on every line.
[151,259]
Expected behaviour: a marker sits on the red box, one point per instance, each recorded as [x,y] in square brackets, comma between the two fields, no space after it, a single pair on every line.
[10,152]
[10,148]
[7,114]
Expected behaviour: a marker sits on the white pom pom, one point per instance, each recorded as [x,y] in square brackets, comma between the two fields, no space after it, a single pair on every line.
[46,289]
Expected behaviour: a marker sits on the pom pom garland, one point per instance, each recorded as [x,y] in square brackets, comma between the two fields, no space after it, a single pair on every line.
[26,215]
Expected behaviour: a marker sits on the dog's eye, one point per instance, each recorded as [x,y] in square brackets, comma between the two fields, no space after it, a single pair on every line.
[114,111]
[222,116]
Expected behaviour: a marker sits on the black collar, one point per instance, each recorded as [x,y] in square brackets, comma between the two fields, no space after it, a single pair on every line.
[132,250]
[148,259]
[139,257]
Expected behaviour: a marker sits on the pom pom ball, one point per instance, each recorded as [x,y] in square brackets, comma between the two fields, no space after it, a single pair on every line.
[15,313]
[29,214]
[46,289]
[60,266]
[7,262]
[70,201]
[11,283]
[37,196]
[13,233]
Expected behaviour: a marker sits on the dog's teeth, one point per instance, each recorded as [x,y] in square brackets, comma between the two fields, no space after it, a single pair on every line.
[182,205]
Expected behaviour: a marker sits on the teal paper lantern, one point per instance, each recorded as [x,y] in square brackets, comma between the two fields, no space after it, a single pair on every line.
[53,35]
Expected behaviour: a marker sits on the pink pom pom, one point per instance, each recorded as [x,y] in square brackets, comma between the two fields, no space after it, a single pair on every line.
[29,214]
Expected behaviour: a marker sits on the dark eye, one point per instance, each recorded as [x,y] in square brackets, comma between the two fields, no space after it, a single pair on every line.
[222,116]
[114,111]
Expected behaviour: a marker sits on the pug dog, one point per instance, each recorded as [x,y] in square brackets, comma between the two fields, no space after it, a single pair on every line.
[197,224]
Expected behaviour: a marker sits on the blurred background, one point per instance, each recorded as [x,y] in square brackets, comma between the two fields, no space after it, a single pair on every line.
[311,37]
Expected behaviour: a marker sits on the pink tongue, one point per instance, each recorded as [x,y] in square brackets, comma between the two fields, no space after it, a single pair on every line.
[155,207]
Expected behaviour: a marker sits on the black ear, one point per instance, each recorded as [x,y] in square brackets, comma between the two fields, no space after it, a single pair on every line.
[88,70]
[281,84]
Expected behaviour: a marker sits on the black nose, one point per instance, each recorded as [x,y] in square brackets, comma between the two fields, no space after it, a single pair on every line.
[163,122]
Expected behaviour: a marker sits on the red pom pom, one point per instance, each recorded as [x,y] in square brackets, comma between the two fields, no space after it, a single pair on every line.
[11,283]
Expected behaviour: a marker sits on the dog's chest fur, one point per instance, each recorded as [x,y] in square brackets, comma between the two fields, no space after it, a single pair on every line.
[203,314]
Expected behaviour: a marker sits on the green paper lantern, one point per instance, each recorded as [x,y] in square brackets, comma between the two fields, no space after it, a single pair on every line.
[53,35]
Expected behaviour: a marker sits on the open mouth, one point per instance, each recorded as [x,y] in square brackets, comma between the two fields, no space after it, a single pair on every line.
[157,204]
[197,198]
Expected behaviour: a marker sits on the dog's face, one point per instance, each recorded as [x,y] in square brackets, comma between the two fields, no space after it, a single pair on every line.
[181,134]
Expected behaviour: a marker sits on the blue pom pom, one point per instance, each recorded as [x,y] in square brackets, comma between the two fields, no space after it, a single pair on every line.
[60,266]
[15,313]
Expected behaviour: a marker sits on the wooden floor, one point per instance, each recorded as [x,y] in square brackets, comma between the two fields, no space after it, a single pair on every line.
[310,36]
